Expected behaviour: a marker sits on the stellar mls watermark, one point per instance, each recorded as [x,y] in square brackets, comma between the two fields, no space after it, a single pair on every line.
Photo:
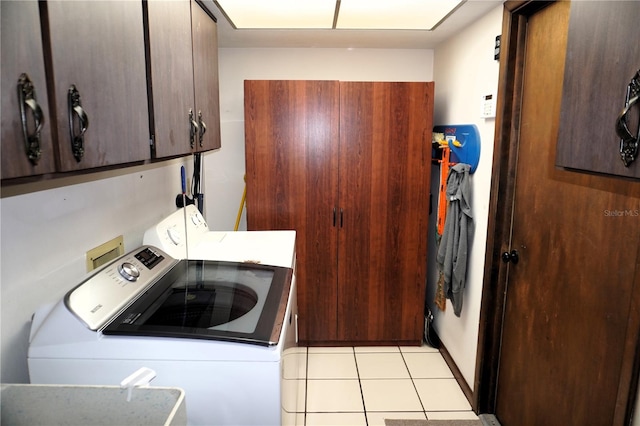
[622,213]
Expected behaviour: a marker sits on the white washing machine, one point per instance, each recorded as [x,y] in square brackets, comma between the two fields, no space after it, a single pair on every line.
[185,234]
[219,330]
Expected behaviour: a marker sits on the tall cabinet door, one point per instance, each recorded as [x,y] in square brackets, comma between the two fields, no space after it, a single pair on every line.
[291,135]
[385,154]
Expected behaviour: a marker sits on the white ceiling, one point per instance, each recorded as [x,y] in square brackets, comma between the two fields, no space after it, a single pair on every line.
[466,14]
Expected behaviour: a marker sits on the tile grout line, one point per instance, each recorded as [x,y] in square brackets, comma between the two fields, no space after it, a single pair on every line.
[364,407]
[413,383]
[306,383]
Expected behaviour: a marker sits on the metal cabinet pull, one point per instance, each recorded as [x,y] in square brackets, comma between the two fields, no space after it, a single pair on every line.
[334,217]
[76,133]
[203,127]
[193,129]
[628,142]
[341,217]
[27,102]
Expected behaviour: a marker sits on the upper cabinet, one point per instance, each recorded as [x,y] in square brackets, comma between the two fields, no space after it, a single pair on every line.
[74,91]
[603,56]
[98,76]
[27,147]
[90,84]
[183,59]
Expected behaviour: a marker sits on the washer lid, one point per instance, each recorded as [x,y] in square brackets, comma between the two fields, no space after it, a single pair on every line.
[214,300]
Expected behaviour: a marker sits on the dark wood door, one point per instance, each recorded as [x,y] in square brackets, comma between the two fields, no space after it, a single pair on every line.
[99,48]
[22,53]
[566,334]
[291,148]
[171,75]
[385,150]
[205,78]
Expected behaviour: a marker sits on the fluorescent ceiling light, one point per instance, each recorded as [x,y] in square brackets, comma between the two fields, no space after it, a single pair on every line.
[338,14]
[393,14]
[280,14]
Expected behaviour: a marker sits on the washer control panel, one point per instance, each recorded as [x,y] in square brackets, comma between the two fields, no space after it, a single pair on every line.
[173,233]
[104,294]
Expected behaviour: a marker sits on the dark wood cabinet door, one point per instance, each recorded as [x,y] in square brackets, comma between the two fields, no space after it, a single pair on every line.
[22,53]
[385,151]
[99,47]
[603,54]
[171,65]
[291,135]
[205,77]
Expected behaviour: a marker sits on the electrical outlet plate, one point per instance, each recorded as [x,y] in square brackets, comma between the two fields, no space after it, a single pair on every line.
[104,253]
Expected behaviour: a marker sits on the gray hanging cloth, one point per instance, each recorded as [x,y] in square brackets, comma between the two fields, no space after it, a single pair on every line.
[454,245]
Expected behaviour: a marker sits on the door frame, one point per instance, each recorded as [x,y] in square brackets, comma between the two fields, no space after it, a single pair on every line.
[511,74]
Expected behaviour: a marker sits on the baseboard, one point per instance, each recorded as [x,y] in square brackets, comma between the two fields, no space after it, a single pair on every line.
[468,392]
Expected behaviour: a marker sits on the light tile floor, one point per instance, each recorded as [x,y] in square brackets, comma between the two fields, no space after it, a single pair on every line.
[364,385]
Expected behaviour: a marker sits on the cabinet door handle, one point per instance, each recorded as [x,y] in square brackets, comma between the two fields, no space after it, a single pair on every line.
[341,217]
[203,127]
[193,129]
[628,142]
[27,101]
[76,133]
[334,217]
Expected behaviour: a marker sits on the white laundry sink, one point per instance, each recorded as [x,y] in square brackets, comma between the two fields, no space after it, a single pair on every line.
[24,404]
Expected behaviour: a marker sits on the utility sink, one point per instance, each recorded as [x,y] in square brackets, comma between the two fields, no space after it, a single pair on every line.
[24,404]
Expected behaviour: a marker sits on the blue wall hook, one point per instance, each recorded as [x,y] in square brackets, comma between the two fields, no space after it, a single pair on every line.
[464,142]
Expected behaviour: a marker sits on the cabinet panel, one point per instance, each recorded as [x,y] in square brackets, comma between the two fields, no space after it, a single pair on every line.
[385,149]
[205,77]
[22,53]
[171,64]
[603,54]
[98,46]
[291,134]
[183,56]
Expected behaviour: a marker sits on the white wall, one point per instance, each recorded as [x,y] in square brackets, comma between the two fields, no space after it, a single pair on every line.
[225,170]
[464,71]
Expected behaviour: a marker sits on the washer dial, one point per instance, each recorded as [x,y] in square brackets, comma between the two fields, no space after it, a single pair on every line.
[129,271]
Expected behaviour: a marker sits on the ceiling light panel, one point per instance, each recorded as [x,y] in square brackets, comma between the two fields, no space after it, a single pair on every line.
[276,14]
[393,14]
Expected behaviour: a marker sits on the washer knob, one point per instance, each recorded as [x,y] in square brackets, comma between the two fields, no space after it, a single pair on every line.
[129,271]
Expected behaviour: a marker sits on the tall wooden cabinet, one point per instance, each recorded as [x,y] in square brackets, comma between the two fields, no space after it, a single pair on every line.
[346,164]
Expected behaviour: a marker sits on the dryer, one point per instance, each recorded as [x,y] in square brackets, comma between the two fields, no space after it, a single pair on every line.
[219,330]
